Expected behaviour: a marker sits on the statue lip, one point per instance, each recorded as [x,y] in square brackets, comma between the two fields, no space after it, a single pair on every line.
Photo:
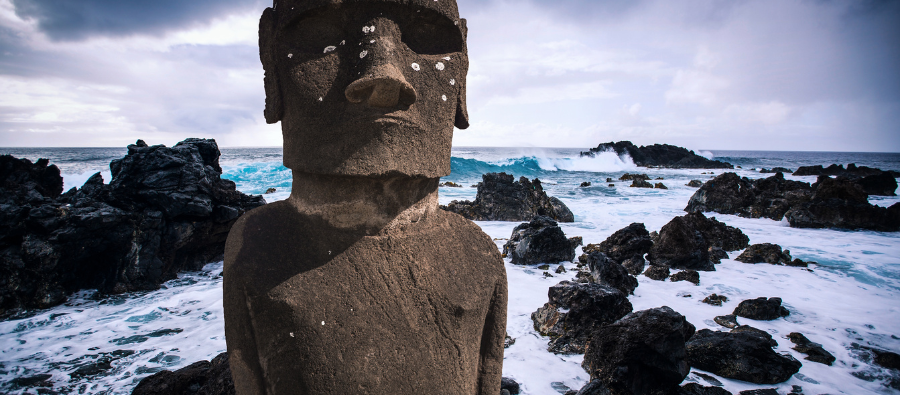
[380,118]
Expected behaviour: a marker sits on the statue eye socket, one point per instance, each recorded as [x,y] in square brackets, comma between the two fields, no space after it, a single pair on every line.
[311,36]
[431,35]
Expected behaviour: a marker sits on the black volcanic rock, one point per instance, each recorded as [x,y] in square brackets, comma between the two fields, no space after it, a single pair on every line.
[685,242]
[746,356]
[641,353]
[765,253]
[814,351]
[540,241]
[165,210]
[852,171]
[883,184]
[841,203]
[199,378]
[605,271]
[761,308]
[658,273]
[775,170]
[659,155]
[500,198]
[575,311]
[626,243]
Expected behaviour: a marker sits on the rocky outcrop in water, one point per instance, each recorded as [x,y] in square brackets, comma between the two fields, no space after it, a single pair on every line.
[659,155]
[814,351]
[761,308]
[540,241]
[829,203]
[500,198]
[606,271]
[575,311]
[684,242]
[641,353]
[852,171]
[165,210]
[632,241]
[743,355]
[199,378]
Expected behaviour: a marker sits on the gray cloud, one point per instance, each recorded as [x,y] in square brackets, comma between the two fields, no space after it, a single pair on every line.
[66,20]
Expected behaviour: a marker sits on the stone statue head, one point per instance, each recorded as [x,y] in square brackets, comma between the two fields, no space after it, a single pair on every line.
[365,87]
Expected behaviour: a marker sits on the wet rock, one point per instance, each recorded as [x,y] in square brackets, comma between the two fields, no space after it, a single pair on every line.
[637,183]
[633,177]
[883,184]
[686,275]
[694,183]
[763,391]
[540,241]
[626,243]
[270,190]
[510,385]
[449,184]
[508,341]
[612,185]
[798,263]
[764,309]
[605,271]
[660,185]
[575,311]
[658,273]
[883,358]
[500,198]
[717,254]
[585,184]
[165,210]
[594,387]
[684,242]
[715,300]
[697,389]
[814,351]
[642,353]
[841,203]
[608,179]
[728,320]
[634,265]
[560,269]
[200,378]
[776,170]
[765,253]
[756,331]
[742,355]
[770,197]
[659,155]
[852,171]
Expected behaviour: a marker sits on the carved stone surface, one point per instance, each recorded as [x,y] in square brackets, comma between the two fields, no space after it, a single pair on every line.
[358,282]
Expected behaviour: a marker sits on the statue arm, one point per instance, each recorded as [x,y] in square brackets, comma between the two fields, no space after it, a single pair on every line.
[490,366]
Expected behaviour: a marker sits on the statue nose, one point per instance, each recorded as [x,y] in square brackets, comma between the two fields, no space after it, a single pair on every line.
[382,83]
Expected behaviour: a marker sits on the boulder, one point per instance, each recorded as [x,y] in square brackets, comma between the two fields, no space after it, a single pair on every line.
[638,183]
[716,233]
[449,184]
[626,243]
[509,385]
[841,203]
[199,378]
[765,309]
[728,321]
[575,311]
[633,177]
[765,253]
[776,170]
[883,184]
[658,273]
[641,353]
[814,351]
[540,241]
[715,300]
[660,185]
[165,210]
[717,254]
[770,197]
[585,184]
[852,171]
[743,356]
[686,275]
[605,271]
[685,242]
[634,265]
[694,183]
[500,198]
[659,155]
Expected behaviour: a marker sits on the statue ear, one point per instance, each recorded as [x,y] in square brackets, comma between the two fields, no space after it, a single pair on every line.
[462,114]
[274,107]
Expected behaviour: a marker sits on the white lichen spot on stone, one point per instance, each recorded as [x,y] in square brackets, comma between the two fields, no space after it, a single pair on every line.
[292,334]
[368,29]
[363,54]
[343,42]
[320,99]
[329,48]
[415,66]
[452,81]
[372,42]
[439,66]
[446,58]
[290,55]
[329,252]
[456,22]
[323,323]
[444,97]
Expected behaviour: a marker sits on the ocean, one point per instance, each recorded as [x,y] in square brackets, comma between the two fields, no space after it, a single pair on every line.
[849,299]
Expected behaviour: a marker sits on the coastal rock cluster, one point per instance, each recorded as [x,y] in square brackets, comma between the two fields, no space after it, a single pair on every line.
[501,198]
[658,155]
[166,209]
[540,241]
[828,203]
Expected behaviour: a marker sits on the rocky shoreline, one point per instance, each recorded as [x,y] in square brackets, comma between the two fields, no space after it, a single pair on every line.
[165,210]
[658,155]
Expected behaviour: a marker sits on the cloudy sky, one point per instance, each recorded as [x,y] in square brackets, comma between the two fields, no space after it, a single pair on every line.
[705,74]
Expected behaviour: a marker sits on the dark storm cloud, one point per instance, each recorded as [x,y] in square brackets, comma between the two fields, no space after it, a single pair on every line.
[68,20]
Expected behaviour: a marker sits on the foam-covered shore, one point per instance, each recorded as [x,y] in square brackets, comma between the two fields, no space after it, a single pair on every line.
[850,297]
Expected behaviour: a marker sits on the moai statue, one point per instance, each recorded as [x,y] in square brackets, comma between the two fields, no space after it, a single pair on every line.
[358,283]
